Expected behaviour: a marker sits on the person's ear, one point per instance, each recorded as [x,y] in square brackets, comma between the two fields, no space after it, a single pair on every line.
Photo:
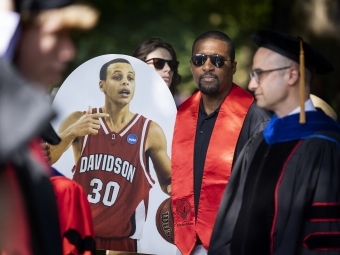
[234,67]
[293,76]
[101,85]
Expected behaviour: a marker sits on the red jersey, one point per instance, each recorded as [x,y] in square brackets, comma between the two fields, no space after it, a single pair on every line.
[113,171]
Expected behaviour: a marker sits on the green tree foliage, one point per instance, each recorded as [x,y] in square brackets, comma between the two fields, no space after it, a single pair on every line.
[126,23]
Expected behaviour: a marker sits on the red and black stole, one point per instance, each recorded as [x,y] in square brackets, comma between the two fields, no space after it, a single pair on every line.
[217,166]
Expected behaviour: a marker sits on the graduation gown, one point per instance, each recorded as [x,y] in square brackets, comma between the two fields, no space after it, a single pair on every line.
[29,216]
[283,196]
[255,121]
[237,120]
[75,217]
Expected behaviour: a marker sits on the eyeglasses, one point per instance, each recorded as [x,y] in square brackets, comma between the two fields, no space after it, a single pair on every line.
[159,63]
[256,74]
[217,60]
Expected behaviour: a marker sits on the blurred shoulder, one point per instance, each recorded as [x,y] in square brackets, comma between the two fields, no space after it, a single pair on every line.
[259,113]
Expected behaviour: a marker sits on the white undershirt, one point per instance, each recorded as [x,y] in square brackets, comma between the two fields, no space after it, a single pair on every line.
[308,107]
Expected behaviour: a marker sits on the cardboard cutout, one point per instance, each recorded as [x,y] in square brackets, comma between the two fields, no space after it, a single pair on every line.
[153,100]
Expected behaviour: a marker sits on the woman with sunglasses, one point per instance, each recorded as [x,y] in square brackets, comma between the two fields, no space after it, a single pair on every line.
[162,57]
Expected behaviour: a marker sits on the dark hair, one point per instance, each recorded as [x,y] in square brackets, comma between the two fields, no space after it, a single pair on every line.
[149,46]
[103,70]
[219,36]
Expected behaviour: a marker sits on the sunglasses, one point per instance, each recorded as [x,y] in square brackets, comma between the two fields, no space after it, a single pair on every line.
[159,63]
[215,59]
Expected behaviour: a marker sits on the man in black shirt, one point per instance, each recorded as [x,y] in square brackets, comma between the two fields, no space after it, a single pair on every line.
[211,128]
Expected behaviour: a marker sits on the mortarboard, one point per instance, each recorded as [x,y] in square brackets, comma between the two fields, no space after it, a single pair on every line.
[66,13]
[297,50]
[289,46]
[39,5]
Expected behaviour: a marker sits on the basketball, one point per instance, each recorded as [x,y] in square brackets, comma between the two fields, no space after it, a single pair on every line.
[165,220]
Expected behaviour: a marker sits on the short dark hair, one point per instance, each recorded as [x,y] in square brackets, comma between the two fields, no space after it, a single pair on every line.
[149,46]
[103,70]
[214,34]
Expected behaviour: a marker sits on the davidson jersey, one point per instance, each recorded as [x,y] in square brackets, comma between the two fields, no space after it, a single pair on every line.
[113,171]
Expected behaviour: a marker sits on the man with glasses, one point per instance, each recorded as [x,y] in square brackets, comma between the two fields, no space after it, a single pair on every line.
[112,147]
[211,128]
[283,196]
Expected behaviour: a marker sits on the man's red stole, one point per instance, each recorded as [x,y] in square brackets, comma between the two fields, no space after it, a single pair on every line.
[217,166]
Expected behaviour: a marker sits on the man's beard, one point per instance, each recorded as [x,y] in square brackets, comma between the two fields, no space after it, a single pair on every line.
[209,90]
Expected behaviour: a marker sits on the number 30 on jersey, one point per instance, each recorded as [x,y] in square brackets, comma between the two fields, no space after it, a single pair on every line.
[111,188]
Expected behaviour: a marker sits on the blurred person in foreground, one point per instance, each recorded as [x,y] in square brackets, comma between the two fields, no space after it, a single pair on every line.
[211,128]
[162,57]
[41,47]
[284,193]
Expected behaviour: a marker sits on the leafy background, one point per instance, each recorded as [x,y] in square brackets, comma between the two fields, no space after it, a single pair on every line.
[126,23]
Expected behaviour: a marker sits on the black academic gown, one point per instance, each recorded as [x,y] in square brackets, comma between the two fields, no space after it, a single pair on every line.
[254,122]
[25,113]
[298,215]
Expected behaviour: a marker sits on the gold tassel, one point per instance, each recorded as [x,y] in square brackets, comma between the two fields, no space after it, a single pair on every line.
[302,84]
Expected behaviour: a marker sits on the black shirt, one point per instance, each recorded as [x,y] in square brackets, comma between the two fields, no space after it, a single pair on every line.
[205,126]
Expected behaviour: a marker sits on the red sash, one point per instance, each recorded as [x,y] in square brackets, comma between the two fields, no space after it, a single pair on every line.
[217,166]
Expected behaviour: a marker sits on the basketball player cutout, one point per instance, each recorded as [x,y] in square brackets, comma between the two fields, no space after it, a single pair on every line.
[112,147]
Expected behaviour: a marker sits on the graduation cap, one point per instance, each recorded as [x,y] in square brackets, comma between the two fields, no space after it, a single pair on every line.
[68,13]
[39,5]
[297,50]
